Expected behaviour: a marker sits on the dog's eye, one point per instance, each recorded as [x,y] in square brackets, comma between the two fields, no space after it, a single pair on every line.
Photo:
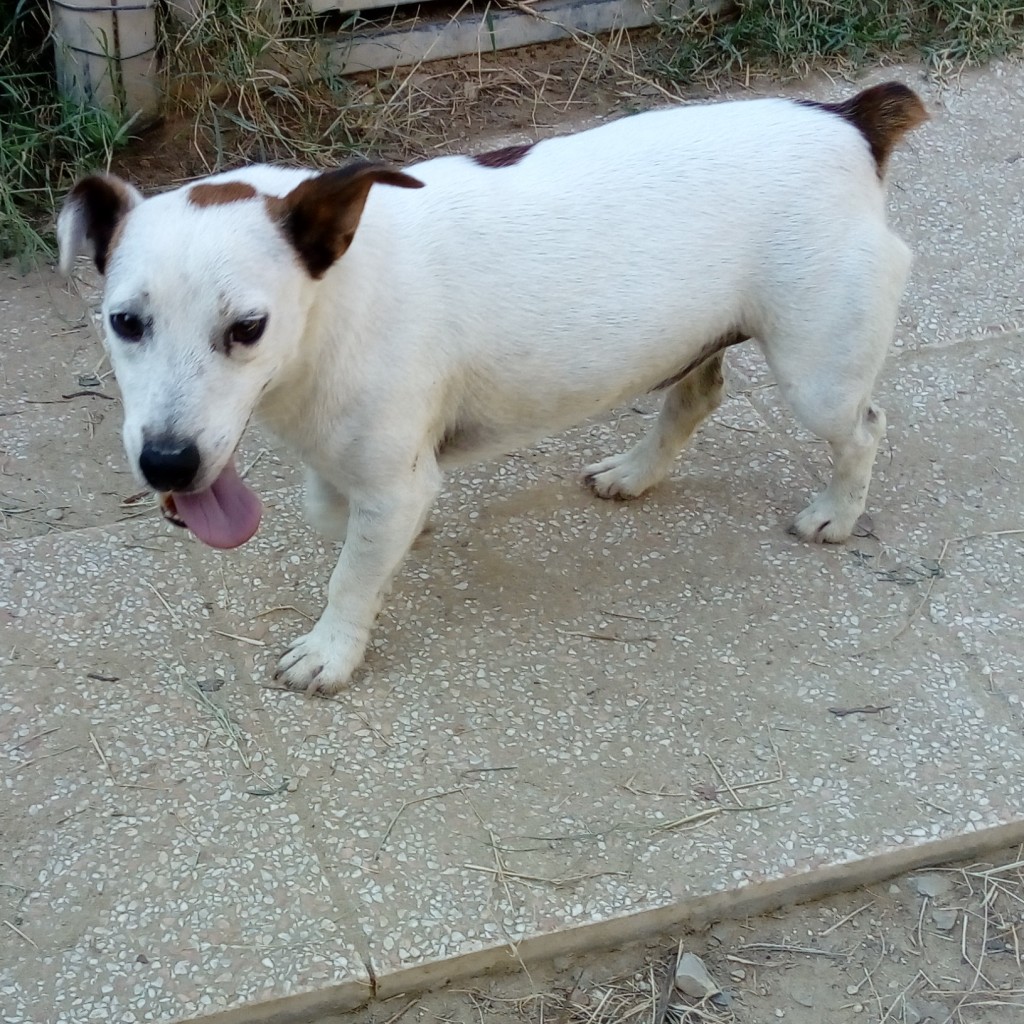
[127,326]
[247,331]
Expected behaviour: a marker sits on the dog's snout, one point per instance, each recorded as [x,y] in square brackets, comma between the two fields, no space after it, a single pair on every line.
[169,464]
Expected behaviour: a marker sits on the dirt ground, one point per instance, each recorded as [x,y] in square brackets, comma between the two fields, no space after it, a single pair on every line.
[449,106]
[938,947]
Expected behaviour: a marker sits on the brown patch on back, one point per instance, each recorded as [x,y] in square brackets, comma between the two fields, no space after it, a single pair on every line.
[505,157]
[710,349]
[883,114]
[220,193]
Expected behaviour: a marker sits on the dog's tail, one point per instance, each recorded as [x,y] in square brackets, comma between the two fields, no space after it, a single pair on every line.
[883,114]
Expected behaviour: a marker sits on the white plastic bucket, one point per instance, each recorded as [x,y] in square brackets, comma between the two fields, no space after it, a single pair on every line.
[106,52]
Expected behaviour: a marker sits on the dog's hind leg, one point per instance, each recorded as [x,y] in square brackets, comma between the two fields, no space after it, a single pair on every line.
[826,366]
[853,437]
[686,405]
[326,508]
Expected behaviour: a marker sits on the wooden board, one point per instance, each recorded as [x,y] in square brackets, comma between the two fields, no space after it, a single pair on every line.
[484,31]
[322,6]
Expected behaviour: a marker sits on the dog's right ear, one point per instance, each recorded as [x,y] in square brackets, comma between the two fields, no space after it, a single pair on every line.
[320,216]
[90,217]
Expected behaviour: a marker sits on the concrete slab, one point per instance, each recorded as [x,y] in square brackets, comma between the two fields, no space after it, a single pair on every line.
[578,719]
[150,817]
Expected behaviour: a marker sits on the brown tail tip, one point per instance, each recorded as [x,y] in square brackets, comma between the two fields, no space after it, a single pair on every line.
[883,114]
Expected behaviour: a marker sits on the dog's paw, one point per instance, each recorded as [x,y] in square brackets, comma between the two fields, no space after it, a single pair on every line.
[323,660]
[826,520]
[621,476]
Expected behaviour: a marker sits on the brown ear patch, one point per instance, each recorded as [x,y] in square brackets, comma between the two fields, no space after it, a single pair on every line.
[104,201]
[883,114]
[320,216]
[220,193]
[505,157]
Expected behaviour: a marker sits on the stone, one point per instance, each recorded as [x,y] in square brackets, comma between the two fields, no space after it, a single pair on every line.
[920,1011]
[802,996]
[692,978]
[911,1014]
[931,885]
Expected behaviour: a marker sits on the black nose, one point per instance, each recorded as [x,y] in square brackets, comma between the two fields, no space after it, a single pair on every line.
[169,464]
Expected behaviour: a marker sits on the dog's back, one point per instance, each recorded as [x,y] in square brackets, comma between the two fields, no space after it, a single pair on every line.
[655,234]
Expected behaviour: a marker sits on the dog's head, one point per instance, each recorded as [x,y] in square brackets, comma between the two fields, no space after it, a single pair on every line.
[206,298]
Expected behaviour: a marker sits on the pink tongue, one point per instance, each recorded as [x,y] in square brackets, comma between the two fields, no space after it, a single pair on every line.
[225,515]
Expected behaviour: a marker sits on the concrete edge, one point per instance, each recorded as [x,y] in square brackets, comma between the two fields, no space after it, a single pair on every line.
[326,1006]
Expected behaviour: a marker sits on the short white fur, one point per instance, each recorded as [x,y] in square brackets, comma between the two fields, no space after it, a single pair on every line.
[497,305]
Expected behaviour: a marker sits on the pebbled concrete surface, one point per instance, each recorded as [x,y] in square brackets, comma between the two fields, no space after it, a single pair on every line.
[574,712]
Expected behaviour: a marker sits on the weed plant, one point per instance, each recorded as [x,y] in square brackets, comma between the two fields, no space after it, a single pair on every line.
[792,37]
[252,78]
[45,142]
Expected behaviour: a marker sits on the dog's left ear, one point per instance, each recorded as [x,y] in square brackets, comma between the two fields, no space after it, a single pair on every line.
[320,216]
[90,217]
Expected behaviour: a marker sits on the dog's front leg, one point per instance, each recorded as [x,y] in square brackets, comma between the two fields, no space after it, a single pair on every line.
[383,522]
[325,506]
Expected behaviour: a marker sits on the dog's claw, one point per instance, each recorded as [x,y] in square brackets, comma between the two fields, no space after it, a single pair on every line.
[825,521]
[622,477]
[323,660]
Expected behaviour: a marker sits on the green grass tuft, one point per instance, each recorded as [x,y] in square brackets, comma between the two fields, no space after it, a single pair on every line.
[45,142]
[249,74]
[791,37]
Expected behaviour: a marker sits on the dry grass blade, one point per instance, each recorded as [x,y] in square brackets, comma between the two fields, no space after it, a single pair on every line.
[401,810]
[33,737]
[17,931]
[691,820]
[849,917]
[252,641]
[920,924]
[234,735]
[286,608]
[610,636]
[540,880]
[725,782]
[663,989]
[616,1002]
[394,1018]
[170,611]
[782,947]
[103,757]
[42,757]
[597,47]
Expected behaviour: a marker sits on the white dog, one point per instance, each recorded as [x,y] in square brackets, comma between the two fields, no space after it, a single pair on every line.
[476,304]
